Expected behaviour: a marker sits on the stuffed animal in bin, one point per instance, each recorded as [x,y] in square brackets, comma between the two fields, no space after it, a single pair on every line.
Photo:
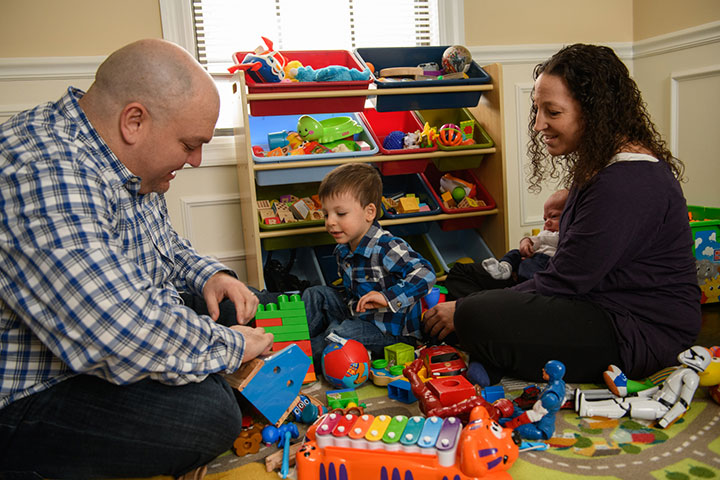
[331,73]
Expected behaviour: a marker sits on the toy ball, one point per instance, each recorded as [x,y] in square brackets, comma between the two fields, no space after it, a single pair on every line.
[394,140]
[458,193]
[346,366]
[449,135]
[456,59]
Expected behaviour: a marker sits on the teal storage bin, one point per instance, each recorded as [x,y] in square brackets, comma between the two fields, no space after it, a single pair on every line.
[450,246]
[705,227]
[260,127]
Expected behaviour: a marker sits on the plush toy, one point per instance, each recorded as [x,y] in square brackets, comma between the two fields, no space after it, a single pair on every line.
[331,73]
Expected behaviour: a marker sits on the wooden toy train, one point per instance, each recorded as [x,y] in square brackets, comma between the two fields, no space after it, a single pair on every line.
[367,447]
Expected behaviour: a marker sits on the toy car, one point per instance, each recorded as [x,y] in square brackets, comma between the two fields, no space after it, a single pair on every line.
[443,360]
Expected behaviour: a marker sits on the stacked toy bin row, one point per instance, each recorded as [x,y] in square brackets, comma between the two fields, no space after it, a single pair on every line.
[404,112]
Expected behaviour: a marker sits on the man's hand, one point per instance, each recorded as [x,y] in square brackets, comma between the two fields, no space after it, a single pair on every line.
[526,248]
[257,341]
[371,300]
[221,286]
[439,320]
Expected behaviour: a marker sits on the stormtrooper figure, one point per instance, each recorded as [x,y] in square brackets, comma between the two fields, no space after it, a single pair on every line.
[665,403]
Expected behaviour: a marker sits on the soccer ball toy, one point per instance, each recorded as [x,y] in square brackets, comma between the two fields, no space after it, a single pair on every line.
[346,365]
[456,59]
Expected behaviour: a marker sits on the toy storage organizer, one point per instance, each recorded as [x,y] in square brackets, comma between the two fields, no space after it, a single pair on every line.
[264,178]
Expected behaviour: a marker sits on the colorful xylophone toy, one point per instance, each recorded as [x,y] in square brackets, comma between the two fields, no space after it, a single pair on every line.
[368,447]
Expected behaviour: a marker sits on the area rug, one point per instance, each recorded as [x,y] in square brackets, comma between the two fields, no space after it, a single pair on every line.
[581,447]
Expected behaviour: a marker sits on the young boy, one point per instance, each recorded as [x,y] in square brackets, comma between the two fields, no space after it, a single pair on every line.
[532,256]
[383,277]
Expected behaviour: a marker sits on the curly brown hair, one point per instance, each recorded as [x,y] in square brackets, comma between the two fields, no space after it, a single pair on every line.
[613,113]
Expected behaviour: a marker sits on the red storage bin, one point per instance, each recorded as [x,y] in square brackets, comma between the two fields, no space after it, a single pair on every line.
[380,124]
[316,59]
[431,177]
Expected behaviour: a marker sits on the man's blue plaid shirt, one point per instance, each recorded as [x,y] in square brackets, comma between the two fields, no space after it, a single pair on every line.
[89,268]
[387,264]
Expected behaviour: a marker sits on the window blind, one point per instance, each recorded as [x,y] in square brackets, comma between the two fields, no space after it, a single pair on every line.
[223,27]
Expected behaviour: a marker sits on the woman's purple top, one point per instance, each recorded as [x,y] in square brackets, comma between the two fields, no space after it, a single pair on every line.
[626,244]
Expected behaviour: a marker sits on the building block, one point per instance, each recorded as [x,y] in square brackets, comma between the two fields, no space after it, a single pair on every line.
[287,321]
[452,389]
[493,392]
[272,383]
[400,390]
[341,398]
[399,354]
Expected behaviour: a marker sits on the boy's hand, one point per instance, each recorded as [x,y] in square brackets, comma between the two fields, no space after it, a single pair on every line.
[371,300]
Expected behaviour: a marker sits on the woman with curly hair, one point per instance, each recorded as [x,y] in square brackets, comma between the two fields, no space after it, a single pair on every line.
[621,288]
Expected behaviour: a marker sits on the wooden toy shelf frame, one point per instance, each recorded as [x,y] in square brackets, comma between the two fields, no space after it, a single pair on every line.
[491,172]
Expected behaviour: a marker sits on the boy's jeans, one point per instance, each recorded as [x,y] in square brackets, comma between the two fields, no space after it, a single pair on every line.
[327,312]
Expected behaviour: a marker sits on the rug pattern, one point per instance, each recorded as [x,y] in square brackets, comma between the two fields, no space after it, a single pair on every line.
[582,447]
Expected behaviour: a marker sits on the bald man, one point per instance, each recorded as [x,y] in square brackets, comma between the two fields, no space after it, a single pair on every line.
[104,372]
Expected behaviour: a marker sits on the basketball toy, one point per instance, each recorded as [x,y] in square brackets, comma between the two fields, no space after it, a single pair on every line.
[394,140]
[449,135]
[346,365]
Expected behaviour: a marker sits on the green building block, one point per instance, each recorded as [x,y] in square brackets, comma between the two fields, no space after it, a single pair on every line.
[399,354]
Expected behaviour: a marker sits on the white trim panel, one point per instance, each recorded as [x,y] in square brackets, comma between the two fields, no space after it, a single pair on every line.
[675,79]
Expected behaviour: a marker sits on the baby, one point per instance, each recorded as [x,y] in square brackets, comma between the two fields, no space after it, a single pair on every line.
[532,256]
[534,251]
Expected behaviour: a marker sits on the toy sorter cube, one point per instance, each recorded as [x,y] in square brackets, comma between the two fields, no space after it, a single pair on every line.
[705,227]
[412,57]
[399,354]
[316,59]
[287,321]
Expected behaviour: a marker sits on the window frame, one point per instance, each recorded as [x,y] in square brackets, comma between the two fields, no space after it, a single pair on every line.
[177,24]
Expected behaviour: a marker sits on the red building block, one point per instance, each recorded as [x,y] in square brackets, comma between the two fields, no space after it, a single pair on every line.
[451,390]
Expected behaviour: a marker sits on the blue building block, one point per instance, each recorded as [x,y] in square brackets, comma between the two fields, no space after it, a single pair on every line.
[273,389]
[400,390]
[492,393]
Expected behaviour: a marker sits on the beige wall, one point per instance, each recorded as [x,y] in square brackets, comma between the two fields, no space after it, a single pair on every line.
[652,18]
[493,22]
[65,47]
[69,28]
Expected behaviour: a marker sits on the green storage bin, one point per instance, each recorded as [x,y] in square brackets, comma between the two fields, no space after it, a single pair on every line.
[422,244]
[439,117]
[274,192]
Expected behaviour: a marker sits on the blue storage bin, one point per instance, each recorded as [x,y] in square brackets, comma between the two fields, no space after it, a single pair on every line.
[450,246]
[412,57]
[403,184]
[306,265]
[260,127]
[327,262]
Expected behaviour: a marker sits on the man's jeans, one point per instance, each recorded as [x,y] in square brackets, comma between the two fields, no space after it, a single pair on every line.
[328,313]
[139,430]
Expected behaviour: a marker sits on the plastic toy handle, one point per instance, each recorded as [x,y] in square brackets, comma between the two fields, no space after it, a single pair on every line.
[254,66]
[286,456]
